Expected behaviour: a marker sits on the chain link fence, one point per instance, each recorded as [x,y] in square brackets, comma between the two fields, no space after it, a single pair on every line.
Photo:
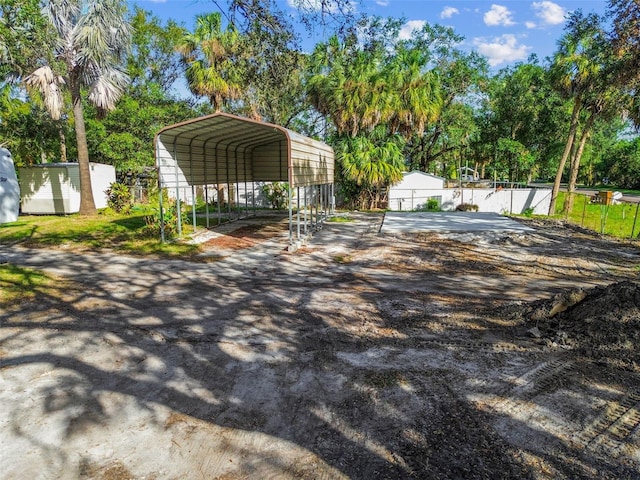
[604,214]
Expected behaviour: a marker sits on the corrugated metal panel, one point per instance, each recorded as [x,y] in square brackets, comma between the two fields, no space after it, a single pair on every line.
[223,148]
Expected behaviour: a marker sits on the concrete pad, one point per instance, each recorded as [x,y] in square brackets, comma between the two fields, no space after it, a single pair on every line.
[410,222]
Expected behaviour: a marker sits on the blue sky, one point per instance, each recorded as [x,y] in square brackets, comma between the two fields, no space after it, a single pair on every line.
[503,31]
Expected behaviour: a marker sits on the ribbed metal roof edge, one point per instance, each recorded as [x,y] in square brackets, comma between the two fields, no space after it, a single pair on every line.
[225,115]
[290,134]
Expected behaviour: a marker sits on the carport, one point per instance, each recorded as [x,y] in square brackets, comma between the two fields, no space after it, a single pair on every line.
[220,149]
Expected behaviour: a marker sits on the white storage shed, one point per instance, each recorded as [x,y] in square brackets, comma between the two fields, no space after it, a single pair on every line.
[54,188]
[9,190]
[414,190]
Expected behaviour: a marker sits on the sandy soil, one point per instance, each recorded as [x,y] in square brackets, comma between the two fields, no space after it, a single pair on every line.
[362,355]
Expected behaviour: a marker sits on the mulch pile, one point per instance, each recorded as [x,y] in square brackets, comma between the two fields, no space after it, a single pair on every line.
[601,323]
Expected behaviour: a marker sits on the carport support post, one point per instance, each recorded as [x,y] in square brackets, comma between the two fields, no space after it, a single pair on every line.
[178,206]
[193,206]
[333,199]
[219,207]
[306,206]
[246,198]
[193,188]
[298,211]
[253,196]
[178,211]
[162,239]
[206,203]
[290,192]
[238,198]
[206,185]
[323,189]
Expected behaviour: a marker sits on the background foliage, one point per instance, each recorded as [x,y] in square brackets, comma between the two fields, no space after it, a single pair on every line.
[385,103]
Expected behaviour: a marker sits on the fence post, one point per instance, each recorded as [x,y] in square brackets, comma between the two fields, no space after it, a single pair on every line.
[604,212]
[633,229]
[584,210]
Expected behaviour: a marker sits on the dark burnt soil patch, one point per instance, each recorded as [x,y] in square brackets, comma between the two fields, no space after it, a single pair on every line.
[601,323]
[245,236]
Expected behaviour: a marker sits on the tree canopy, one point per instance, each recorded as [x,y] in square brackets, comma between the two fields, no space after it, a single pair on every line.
[386,102]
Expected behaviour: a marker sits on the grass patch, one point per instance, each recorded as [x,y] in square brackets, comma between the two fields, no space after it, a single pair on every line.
[340,219]
[343,259]
[23,284]
[621,220]
[613,189]
[105,231]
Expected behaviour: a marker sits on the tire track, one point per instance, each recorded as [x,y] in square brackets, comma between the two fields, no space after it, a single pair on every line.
[611,430]
[496,347]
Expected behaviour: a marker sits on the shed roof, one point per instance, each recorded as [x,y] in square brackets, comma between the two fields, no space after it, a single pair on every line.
[225,148]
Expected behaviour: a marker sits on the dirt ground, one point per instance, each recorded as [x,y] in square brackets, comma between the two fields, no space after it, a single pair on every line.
[362,355]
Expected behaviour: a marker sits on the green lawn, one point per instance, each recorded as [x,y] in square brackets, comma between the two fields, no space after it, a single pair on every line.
[105,231]
[621,220]
[23,284]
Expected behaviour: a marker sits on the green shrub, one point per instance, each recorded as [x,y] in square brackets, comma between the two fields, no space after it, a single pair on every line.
[433,205]
[119,198]
[153,223]
[467,207]
[277,193]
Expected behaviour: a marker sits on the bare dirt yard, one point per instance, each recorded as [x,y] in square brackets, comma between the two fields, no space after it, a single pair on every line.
[363,355]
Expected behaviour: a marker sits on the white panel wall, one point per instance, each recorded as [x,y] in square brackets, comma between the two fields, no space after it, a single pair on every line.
[503,201]
[55,188]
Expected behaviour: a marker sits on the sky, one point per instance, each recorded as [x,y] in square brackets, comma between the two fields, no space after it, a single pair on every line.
[505,32]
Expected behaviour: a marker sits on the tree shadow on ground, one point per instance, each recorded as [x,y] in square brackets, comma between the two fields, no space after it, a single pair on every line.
[297,349]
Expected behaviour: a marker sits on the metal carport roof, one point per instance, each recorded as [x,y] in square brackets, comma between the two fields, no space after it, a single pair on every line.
[225,149]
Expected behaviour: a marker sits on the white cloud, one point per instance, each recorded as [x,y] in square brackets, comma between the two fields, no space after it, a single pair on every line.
[503,49]
[550,13]
[409,27]
[530,24]
[498,15]
[383,3]
[448,12]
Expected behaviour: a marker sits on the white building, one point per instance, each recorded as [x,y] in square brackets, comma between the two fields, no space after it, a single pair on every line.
[414,191]
[9,189]
[53,188]
[417,188]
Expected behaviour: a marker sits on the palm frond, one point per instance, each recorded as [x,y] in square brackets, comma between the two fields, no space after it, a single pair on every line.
[49,85]
[107,88]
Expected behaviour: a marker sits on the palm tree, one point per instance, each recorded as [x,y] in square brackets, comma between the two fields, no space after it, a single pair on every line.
[92,37]
[208,54]
[413,94]
[576,71]
[373,161]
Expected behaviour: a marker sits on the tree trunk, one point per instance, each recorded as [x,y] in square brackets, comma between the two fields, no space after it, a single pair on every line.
[429,148]
[63,144]
[87,204]
[565,155]
[575,165]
